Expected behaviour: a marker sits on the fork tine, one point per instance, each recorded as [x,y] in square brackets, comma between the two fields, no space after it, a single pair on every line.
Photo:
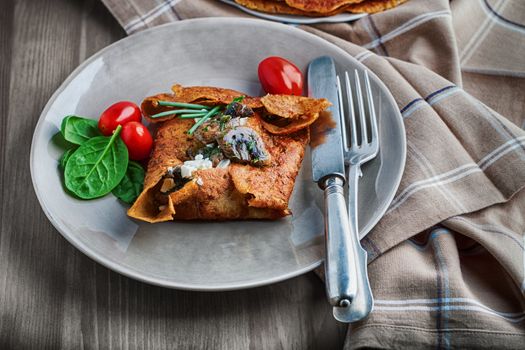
[361,108]
[351,112]
[373,116]
[342,114]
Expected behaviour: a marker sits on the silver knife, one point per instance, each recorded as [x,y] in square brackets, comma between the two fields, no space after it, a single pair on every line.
[328,170]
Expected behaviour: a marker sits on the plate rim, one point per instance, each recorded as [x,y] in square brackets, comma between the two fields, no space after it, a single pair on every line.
[134,274]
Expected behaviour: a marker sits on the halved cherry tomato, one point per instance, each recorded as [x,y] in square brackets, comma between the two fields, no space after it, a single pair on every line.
[138,140]
[279,76]
[119,113]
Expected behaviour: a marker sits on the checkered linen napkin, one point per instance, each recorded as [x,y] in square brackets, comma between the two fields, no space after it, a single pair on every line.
[446,262]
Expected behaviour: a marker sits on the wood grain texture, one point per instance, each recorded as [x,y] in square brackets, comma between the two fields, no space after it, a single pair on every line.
[54,297]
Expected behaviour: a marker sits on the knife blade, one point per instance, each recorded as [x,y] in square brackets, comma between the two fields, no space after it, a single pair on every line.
[328,171]
[328,157]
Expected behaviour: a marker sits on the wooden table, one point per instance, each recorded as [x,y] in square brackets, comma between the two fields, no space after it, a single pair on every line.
[51,295]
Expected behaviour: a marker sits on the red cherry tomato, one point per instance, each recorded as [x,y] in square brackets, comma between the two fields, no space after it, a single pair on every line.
[119,113]
[138,140]
[279,76]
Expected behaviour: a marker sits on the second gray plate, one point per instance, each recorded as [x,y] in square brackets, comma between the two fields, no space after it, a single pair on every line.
[221,52]
[294,19]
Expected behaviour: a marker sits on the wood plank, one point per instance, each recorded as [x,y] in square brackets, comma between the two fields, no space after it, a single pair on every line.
[51,295]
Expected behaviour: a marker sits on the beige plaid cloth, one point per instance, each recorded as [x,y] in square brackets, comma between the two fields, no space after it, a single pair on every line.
[447,260]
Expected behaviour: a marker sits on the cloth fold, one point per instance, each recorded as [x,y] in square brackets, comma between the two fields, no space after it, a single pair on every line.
[447,260]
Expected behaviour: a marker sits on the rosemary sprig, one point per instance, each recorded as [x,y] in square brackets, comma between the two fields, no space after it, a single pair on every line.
[182,105]
[208,115]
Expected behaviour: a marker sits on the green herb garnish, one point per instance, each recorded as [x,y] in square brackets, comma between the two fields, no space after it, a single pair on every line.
[191,116]
[223,120]
[209,151]
[208,115]
[97,166]
[251,145]
[178,111]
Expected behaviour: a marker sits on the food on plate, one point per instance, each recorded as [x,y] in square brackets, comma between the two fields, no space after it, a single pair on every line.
[279,6]
[137,139]
[217,154]
[97,166]
[131,184]
[319,8]
[118,113]
[373,6]
[280,76]
[94,165]
[221,155]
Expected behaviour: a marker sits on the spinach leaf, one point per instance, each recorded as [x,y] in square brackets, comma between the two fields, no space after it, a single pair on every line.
[78,130]
[97,166]
[59,141]
[131,185]
[65,157]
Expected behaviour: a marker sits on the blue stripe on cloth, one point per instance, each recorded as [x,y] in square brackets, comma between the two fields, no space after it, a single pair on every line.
[439,91]
[410,104]
[378,35]
[506,20]
[443,334]
[430,99]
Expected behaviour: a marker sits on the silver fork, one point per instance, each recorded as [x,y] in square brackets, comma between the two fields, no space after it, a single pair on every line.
[357,152]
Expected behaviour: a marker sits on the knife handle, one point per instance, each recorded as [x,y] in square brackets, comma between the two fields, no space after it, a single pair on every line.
[363,302]
[340,260]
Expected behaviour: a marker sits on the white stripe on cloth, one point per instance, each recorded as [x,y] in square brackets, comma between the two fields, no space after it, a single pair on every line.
[492,228]
[405,27]
[476,39]
[492,71]
[428,170]
[363,55]
[456,174]
[497,124]
[448,308]
[447,301]
[498,20]
[523,283]
[438,180]
[149,16]
[507,147]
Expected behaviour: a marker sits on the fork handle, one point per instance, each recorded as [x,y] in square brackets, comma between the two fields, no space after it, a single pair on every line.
[340,261]
[363,301]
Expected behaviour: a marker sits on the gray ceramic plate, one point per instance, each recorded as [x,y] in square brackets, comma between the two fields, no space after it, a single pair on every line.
[202,255]
[292,19]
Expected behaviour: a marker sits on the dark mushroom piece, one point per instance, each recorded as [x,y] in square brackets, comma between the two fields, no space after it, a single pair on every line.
[172,181]
[238,110]
[207,132]
[244,145]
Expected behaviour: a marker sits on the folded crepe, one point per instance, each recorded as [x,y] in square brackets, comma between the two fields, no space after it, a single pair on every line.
[319,8]
[250,172]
